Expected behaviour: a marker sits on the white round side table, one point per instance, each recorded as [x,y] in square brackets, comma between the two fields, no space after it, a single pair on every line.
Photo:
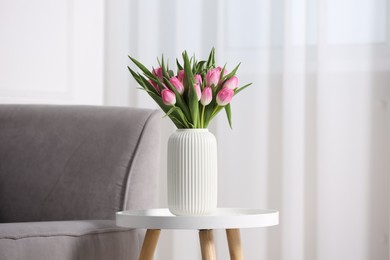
[231,219]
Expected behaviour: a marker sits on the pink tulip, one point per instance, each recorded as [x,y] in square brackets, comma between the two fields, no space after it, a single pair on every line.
[198,79]
[212,77]
[180,75]
[207,96]
[224,96]
[198,91]
[168,97]
[231,83]
[154,85]
[177,84]
[158,72]
[225,72]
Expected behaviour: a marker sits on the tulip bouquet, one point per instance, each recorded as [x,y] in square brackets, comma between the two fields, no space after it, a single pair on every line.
[195,94]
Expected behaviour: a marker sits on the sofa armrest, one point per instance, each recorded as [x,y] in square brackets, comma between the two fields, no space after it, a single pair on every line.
[142,183]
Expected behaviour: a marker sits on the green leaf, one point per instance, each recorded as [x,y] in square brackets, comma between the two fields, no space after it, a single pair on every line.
[210,60]
[177,122]
[179,67]
[163,67]
[215,111]
[193,98]
[135,76]
[148,85]
[238,90]
[144,83]
[229,114]
[170,111]
[222,72]
[210,108]
[200,67]
[207,115]
[231,74]
[143,68]
[147,90]
[184,119]
[201,63]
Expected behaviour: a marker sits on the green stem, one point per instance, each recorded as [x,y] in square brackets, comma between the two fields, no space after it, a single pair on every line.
[213,114]
[215,110]
[202,118]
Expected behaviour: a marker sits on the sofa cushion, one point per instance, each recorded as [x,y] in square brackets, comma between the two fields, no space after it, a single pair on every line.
[63,240]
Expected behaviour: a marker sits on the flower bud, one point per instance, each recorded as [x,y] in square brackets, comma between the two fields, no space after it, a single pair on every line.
[180,76]
[207,96]
[231,83]
[198,91]
[177,84]
[168,97]
[224,96]
[225,72]
[198,79]
[154,85]
[212,77]
[158,72]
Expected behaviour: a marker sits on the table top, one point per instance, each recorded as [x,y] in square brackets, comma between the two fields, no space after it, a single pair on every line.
[223,218]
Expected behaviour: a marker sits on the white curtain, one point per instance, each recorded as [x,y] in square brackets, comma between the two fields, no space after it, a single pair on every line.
[310,137]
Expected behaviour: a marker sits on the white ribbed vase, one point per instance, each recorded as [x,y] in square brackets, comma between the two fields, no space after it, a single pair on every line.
[192,172]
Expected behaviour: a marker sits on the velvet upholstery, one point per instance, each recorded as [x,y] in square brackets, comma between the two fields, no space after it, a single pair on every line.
[65,240]
[62,163]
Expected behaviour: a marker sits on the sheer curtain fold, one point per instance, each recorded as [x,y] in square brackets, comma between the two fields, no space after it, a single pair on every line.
[309,138]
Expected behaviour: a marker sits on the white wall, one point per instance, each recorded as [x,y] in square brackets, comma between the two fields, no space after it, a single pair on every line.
[51,51]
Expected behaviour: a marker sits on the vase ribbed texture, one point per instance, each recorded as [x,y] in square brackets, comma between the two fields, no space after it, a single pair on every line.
[192,172]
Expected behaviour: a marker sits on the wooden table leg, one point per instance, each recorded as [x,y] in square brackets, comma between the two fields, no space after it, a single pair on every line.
[149,245]
[234,242]
[207,244]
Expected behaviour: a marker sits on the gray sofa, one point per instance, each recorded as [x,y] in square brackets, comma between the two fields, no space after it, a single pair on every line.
[65,171]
